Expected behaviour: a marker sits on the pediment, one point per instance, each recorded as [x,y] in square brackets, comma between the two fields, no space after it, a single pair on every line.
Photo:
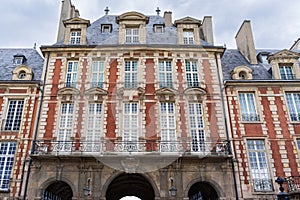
[195,91]
[166,91]
[284,54]
[77,20]
[132,16]
[68,91]
[188,20]
[96,91]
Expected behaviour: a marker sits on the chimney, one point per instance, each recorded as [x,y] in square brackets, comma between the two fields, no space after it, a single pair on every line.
[168,18]
[207,29]
[67,11]
[245,42]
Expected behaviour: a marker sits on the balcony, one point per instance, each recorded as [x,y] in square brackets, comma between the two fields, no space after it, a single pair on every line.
[293,184]
[114,147]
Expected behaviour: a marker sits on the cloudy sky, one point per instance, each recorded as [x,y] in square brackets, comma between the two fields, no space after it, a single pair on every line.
[275,23]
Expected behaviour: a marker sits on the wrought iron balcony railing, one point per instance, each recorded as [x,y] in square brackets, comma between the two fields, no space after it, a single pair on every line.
[110,147]
[293,183]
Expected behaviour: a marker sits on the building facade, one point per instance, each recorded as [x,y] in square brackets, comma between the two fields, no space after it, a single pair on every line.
[263,97]
[21,70]
[132,106]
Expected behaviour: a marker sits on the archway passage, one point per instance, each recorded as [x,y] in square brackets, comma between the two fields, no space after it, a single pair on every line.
[130,185]
[202,191]
[58,190]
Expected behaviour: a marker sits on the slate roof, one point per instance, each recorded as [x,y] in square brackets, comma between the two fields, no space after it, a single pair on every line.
[33,59]
[233,58]
[96,37]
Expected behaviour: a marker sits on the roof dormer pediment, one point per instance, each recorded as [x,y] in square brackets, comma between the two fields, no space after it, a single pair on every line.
[77,20]
[284,54]
[132,16]
[188,20]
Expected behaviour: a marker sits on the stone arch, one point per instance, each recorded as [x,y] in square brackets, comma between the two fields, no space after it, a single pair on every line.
[52,180]
[117,174]
[211,182]
[22,72]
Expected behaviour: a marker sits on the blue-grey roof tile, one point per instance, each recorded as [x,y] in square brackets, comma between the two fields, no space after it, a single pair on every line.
[33,60]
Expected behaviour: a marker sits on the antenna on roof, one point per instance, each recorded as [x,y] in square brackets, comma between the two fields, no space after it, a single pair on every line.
[157,10]
[34,46]
[106,10]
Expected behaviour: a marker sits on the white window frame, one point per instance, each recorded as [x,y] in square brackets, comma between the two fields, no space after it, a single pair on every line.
[248,107]
[196,127]
[94,129]
[132,35]
[7,155]
[258,164]
[75,36]
[293,103]
[165,73]
[130,123]
[188,37]
[106,28]
[131,74]
[14,115]
[168,127]
[65,127]
[71,74]
[286,72]
[192,76]
[98,73]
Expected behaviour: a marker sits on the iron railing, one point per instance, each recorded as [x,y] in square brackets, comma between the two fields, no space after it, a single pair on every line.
[293,183]
[110,147]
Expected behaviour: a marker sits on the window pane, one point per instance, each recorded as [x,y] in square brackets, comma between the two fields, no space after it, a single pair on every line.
[130,122]
[165,74]
[14,115]
[293,102]
[7,152]
[248,108]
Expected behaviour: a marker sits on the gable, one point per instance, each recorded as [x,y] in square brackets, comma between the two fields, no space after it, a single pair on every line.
[188,20]
[132,16]
[77,20]
[284,54]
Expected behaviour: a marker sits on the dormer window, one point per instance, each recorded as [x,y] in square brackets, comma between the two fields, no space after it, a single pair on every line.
[75,36]
[22,74]
[106,28]
[19,59]
[241,73]
[132,35]
[286,72]
[158,28]
[188,37]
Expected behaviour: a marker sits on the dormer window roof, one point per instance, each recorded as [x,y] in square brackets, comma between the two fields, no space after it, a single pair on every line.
[158,28]
[19,59]
[106,28]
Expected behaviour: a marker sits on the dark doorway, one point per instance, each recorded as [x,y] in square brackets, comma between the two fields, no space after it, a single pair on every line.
[202,191]
[130,185]
[58,190]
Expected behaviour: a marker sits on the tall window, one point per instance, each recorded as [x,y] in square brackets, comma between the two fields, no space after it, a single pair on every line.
[14,115]
[165,74]
[7,152]
[293,101]
[65,122]
[188,37]
[248,108]
[259,166]
[130,122]
[168,126]
[286,72]
[98,74]
[298,144]
[75,36]
[196,126]
[71,74]
[192,74]
[131,74]
[94,127]
[132,35]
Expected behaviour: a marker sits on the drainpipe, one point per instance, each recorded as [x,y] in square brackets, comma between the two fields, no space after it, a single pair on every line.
[32,150]
[226,128]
